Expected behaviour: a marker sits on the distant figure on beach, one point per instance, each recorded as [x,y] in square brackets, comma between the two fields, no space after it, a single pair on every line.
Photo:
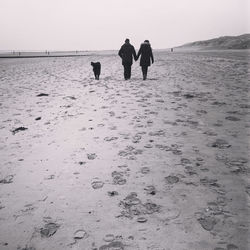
[172,49]
[97,69]
[146,54]
[127,52]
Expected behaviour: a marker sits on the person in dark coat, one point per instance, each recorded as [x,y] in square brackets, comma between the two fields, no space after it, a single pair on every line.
[147,57]
[127,52]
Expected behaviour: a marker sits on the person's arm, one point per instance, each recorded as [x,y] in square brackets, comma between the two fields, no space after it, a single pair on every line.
[134,54]
[120,52]
[151,55]
[139,53]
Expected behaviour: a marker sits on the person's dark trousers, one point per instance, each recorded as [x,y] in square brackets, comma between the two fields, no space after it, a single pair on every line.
[144,72]
[127,71]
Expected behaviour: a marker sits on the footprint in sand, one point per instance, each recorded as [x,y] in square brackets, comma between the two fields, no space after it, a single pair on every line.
[232,247]
[248,190]
[100,125]
[1,206]
[97,184]
[26,248]
[163,147]
[109,238]
[201,112]
[157,133]
[141,220]
[209,182]
[49,229]
[172,179]
[218,124]
[124,166]
[113,128]
[113,138]
[132,206]
[81,162]
[185,161]
[50,177]
[232,118]
[150,190]
[27,210]
[130,151]
[7,180]
[145,170]
[112,193]
[80,234]
[91,156]
[177,152]
[118,178]
[245,106]
[219,143]
[115,245]
[210,133]
[207,222]
[112,113]
[136,138]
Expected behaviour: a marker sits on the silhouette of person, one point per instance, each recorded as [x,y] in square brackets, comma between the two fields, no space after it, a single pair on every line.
[127,52]
[146,54]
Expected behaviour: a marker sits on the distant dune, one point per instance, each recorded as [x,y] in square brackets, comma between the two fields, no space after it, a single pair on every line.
[224,42]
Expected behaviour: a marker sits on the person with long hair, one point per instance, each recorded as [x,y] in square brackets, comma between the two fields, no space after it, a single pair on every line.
[147,57]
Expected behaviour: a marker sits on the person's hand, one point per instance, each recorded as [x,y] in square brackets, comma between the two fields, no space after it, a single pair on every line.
[152,61]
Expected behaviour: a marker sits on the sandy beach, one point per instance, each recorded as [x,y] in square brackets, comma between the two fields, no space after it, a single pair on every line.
[161,164]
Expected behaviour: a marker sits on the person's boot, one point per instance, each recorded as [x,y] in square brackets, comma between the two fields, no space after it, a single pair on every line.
[144,77]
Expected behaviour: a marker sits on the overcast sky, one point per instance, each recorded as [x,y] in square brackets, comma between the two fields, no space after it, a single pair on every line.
[104,24]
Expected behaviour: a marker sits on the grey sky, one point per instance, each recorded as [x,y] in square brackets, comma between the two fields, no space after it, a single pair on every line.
[104,24]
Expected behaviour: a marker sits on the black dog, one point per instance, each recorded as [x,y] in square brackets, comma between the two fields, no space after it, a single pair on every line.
[97,69]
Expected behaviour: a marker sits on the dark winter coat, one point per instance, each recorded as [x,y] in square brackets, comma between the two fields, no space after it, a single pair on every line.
[127,52]
[146,54]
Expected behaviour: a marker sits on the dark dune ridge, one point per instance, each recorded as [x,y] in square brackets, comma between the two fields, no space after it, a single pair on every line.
[224,42]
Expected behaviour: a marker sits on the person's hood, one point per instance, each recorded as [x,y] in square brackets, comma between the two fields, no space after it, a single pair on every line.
[126,44]
[146,44]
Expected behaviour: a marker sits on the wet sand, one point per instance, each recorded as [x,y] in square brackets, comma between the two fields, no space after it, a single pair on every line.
[161,164]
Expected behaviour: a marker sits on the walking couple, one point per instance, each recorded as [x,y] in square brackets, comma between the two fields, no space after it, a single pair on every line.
[127,52]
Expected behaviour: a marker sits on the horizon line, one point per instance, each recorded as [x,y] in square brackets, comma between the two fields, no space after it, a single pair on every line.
[91,50]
